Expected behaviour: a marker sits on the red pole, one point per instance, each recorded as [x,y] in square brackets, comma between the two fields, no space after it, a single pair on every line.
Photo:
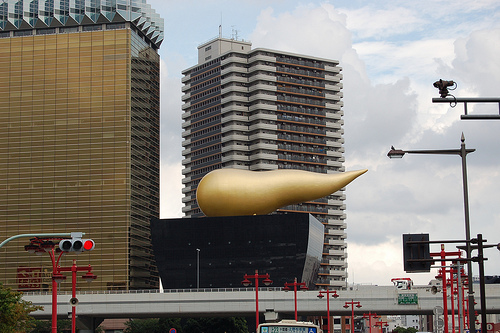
[54,292]
[73,295]
[328,308]
[358,305]
[352,315]
[452,300]
[445,296]
[295,296]
[256,299]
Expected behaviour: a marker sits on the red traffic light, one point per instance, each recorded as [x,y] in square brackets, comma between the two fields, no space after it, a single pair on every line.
[76,245]
[88,244]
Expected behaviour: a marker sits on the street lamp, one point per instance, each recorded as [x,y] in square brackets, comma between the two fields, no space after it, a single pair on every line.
[334,295]
[295,284]
[382,324]
[462,152]
[246,282]
[352,303]
[370,315]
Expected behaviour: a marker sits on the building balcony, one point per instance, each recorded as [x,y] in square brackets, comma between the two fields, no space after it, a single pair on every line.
[262,126]
[234,99]
[261,166]
[263,145]
[261,96]
[332,262]
[262,67]
[263,156]
[337,242]
[233,117]
[261,77]
[234,137]
[229,127]
[263,136]
[233,88]
[333,69]
[233,69]
[234,107]
[271,116]
[234,157]
[261,57]
[261,105]
[233,78]
[234,147]
[262,86]
[233,60]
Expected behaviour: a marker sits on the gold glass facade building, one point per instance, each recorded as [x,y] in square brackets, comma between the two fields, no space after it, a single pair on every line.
[79,150]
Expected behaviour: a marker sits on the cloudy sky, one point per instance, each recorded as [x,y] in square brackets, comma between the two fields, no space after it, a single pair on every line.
[391,52]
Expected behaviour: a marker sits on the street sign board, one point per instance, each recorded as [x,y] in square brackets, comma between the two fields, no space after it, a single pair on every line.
[408,298]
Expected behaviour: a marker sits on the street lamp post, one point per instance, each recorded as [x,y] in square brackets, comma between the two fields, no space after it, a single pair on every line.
[198,268]
[334,295]
[462,152]
[295,284]
[370,315]
[246,282]
[352,303]
[382,324]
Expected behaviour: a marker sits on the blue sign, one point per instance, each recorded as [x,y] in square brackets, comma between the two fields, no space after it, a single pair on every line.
[172,330]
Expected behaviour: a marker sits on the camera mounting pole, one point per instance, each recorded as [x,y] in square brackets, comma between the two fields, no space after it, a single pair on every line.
[454,100]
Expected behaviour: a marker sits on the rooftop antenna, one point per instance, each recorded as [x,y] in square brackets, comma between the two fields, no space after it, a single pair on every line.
[220,26]
[234,34]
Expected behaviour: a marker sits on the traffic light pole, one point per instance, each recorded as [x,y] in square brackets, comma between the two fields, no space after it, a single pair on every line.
[479,259]
[74,301]
[54,286]
[45,243]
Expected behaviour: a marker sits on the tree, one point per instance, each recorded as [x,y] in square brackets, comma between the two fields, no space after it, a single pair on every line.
[400,329]
[192,325]
[142,326]
[45,326]
[14,311]
[216,325]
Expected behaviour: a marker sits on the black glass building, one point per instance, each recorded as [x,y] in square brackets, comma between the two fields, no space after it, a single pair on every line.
[216,252]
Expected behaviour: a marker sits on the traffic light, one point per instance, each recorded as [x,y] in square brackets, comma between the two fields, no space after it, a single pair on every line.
[76,245]
[416,256]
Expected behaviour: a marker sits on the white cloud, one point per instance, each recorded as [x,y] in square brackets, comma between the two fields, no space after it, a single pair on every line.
[370,22]
[388,76]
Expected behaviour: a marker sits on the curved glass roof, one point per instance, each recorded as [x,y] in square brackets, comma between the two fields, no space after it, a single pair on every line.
[34,14]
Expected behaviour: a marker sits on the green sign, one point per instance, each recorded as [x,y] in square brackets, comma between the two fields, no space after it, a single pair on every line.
[407,299]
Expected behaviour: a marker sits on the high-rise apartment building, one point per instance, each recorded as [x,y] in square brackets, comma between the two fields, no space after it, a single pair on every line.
[261,109]
[79,137]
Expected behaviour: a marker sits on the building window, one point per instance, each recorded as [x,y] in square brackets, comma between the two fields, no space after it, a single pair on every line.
[23,33]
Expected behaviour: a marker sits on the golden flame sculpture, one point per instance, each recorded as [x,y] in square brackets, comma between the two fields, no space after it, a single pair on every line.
[234,192]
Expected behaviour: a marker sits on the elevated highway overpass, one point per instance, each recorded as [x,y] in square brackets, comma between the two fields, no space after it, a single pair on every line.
[240,302]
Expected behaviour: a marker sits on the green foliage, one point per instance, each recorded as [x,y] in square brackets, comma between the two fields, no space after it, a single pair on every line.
[14,311]
[205,325]
[45,326]
[400,329]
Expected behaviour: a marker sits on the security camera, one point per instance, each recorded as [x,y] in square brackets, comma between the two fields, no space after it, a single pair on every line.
[443,85]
